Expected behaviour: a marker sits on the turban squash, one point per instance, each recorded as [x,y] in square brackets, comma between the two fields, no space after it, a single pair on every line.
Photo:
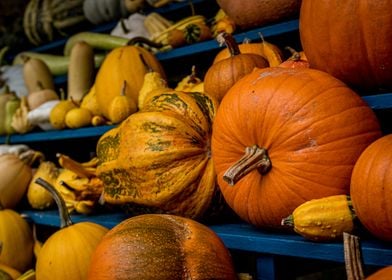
[159,246]
[351,40]
[371,188]
[160,157]
[284,136]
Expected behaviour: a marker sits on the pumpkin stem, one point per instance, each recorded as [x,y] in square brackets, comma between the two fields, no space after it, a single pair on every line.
[254,158]
[352,257]
[231,44]
[65,219]
[294,54]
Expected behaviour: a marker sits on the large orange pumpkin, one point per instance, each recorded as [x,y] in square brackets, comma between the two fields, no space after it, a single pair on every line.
[352,40]
[371,188]
[284,136]
[154,246]
[381,274]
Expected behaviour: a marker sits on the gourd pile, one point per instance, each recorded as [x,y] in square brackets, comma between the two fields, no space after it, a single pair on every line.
[284,141]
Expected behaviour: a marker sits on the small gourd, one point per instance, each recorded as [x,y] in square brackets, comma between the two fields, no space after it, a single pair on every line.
[221,76]
[66,253]
[121,107]
[323,219]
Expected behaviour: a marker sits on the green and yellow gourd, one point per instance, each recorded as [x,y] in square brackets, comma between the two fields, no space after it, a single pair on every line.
[323,219]
[159,157]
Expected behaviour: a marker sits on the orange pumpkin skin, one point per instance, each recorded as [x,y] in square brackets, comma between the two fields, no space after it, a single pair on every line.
[313,127]
[371,188]
[157,246]
[329,33]
[382,274]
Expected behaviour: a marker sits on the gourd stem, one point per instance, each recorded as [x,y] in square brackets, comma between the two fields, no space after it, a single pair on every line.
[254,158]
[288,221]
[65,219]
[294,54]
[352,257]
[231,44]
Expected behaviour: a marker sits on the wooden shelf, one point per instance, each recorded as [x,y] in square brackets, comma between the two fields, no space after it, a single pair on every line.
[244,237]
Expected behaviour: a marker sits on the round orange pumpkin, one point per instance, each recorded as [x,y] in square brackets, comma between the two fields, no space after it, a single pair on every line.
[351,40]
[371,188]
[381,274]
[283,136]
[255,13]
[156,246]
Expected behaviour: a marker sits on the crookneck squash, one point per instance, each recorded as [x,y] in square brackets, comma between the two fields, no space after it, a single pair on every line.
[285,136]
[371,188]
[163,159]
[165,247]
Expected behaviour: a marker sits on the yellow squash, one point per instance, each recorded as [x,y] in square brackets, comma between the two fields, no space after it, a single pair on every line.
[323,219]
[123,64]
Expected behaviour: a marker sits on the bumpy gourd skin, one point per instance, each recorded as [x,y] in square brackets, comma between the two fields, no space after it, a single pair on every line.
[165,247]
[323,219]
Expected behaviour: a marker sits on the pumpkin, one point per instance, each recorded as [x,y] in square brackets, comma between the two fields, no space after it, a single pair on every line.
[66,253]
[157,246]
[123,64]
[163,156]
[17,240]
[256,13]
[323,219]
[371,188]
[15,173]
[384,273]
[222,75]
[269,51]
[351,40]
[284,136]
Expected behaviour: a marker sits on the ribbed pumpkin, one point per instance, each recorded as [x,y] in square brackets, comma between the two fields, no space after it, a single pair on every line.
[17,240]
[66,254]
[284,136]
[163,158]
[223,74]
[371,188]
[165,247]
[381,274]
[123,64]
[255,13]
[352,40]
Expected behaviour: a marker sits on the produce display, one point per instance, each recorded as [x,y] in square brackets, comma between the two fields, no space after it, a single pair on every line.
[272,133]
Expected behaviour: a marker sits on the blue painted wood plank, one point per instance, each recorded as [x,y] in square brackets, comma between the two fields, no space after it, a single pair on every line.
[379,101]
[244,237]
[56,134]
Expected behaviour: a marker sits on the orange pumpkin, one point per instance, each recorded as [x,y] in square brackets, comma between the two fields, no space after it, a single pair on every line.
[351,40]
[371,188]
[381,274]
[269,51]
[255,13]
[284,136]
[223,74]
[155,246]
[123,64]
